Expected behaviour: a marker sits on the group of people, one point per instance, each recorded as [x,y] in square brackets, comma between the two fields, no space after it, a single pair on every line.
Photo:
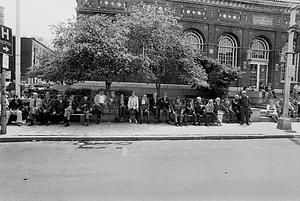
[132,109]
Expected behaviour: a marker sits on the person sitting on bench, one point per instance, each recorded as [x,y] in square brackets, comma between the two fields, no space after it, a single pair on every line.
[35,104]
[14,108]
[144,109]
[85,105]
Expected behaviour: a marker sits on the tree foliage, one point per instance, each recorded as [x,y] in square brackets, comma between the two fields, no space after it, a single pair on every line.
[219,76]
[160,51]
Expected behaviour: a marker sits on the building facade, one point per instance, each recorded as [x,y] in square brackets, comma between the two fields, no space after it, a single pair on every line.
[251,34]
[30,49]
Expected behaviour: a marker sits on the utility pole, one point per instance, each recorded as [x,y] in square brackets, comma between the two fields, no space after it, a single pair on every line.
[3,96]
[18,50]
[284,122]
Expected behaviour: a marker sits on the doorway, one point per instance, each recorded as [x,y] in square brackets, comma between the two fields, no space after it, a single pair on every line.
[258,74]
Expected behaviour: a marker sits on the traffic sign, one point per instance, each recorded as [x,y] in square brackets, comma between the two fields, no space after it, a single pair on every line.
[6,46]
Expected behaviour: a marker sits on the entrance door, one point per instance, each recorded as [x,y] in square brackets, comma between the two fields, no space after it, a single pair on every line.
[258,74]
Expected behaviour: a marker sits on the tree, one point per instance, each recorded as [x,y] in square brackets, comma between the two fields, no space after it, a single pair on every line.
[160,52]
[88,48]
[219,76]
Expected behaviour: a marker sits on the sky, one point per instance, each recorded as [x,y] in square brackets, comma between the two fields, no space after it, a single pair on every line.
[38,15]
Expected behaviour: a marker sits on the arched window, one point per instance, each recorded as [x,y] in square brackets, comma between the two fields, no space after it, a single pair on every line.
[259,49]
[227,50]
[195,39]
[295,64]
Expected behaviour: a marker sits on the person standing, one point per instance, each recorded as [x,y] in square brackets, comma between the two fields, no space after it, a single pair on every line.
[236,108]
[122,107]
[144,109]
[133,107]
[244,105]
[100,101]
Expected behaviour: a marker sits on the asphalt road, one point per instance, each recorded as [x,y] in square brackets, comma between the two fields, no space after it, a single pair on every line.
[239,170]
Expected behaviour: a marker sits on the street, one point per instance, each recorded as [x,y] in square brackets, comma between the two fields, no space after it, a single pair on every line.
[151,170]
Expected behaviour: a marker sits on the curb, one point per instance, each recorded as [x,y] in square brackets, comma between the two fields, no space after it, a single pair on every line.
[140,138]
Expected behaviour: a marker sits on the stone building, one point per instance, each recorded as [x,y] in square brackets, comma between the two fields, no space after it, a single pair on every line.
[251,34]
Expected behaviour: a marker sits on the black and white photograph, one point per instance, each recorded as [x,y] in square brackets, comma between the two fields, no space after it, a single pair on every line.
[149,100]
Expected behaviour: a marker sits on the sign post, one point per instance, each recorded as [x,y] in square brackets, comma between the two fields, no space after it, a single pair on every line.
[5,48]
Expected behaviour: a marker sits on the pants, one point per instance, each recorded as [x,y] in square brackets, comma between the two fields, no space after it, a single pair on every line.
[33,114]
[57,118]
[155,111]
[18,113]
[45,117]
[142,112]
[99,111]
[229,115]
[116,112]
[164,110]
[122,112]
[220,116]
[210,117]
[68,112]
[187,115]
[200,118]
[176,116]
[134,112]
[245,115]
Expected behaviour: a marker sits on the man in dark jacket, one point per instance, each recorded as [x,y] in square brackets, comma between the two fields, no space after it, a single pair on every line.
[59,107]
[244,108]
[164,107]
[14,108]
[154,107]
[47,105]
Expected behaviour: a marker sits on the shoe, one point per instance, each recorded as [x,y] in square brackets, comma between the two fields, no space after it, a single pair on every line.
[67,124]
[130,121]
[19,124]
[30,123]
[141,122]
[180,125]
[168,122]
[241,123]
[177,124]
[135,121]
[86,124]
[47,124]
[247,124]
[155,122]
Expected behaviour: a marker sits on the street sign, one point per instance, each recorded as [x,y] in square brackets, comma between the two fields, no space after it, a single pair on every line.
[6,46]
[5,61]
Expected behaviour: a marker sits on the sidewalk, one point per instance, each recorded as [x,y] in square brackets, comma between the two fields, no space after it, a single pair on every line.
[131,132]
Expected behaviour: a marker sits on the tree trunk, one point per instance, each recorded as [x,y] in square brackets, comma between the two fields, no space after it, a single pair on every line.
[157,84]
[107,86]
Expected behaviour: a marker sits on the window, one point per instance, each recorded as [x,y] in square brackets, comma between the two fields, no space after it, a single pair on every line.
[227,50]
[195,39]
[259,49]
[295,64]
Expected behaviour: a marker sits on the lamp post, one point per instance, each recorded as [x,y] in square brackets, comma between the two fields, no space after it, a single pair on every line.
[18,50]
[284,122]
